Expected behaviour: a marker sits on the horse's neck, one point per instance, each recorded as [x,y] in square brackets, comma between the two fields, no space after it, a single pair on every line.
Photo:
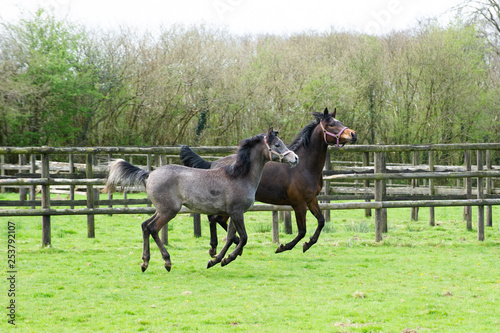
[257,166]
[313,156]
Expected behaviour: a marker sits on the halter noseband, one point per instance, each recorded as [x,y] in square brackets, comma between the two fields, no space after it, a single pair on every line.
[337,136]
[271,152]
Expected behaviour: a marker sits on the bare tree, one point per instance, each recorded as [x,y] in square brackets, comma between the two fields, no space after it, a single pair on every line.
[486,12]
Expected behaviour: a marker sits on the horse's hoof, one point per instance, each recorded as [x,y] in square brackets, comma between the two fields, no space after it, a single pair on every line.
[212,252]
[305,247]
[144,267]
[211,263]
[280,248]
[224,262]
[168,267]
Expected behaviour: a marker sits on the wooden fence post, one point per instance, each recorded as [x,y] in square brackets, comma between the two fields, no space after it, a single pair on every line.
[276,230]
[164,234]
[414,184]
[286,217]
[124,190]
[23,191]
[33,187]
[489,191]
[380,214]
[197,225]
[288,221]
[71,171]
[468,190]
[90,197]
[2,171]
[96,198]
[110,195]
[383,169]
[431,188]
[366,162]
[480,195]
[46,237]
[328,166]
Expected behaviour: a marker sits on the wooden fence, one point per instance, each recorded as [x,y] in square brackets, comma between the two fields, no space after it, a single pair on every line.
[353,179]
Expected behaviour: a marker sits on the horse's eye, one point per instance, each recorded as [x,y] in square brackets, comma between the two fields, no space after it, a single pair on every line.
[277,145]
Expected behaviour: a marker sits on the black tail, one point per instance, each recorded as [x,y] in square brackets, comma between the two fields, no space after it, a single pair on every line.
[191,159]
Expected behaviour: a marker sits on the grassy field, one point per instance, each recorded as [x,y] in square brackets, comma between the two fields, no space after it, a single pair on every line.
[419,279]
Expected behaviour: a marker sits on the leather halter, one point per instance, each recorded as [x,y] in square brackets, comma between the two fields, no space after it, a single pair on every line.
[271,152]
[337,136]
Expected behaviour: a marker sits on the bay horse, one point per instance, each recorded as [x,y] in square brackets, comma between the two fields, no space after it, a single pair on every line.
[297,187]
[228,191]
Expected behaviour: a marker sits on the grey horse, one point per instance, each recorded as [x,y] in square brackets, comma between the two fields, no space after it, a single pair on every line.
[229,190]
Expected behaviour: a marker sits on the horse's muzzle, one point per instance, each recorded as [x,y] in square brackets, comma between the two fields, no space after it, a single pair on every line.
[353,138]
[292,159]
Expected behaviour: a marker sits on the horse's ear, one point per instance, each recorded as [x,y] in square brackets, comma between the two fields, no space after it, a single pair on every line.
[325,113]
[270,134]
[334,112]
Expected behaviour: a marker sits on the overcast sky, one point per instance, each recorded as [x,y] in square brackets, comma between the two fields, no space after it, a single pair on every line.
[242,16]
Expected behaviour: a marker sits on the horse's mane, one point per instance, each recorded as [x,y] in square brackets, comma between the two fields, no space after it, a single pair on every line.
[241,167]
[302,139]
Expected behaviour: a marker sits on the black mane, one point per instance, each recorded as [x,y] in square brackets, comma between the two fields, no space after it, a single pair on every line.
[302,139]
[241,167]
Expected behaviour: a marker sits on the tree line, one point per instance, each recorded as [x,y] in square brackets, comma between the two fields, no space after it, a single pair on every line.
[63,84]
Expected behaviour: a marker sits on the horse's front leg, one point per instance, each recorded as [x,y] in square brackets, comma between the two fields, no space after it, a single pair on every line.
[239,224]
[314,208]
[300,217]
[222,221]
[212,219]
[231,232]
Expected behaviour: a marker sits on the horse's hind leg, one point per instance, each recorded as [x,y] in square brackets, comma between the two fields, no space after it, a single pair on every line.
[239,224]
[314,207]
[154,227]
[213,219]
[300,216]
[231,233]
[145,242]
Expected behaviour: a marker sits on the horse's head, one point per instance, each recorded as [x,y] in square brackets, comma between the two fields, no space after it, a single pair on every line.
[278,151]
[334,132]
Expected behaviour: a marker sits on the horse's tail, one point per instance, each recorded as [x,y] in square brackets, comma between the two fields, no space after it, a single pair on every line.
[191,159]
[126,175]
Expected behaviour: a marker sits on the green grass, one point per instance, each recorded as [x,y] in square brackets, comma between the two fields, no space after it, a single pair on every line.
[427,279]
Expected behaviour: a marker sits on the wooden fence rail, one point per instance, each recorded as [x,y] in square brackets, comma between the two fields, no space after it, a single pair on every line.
[379,173]
[256,208]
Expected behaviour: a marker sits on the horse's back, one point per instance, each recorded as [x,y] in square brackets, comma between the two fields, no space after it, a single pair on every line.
[178,178]
[207,191]
[222,162]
